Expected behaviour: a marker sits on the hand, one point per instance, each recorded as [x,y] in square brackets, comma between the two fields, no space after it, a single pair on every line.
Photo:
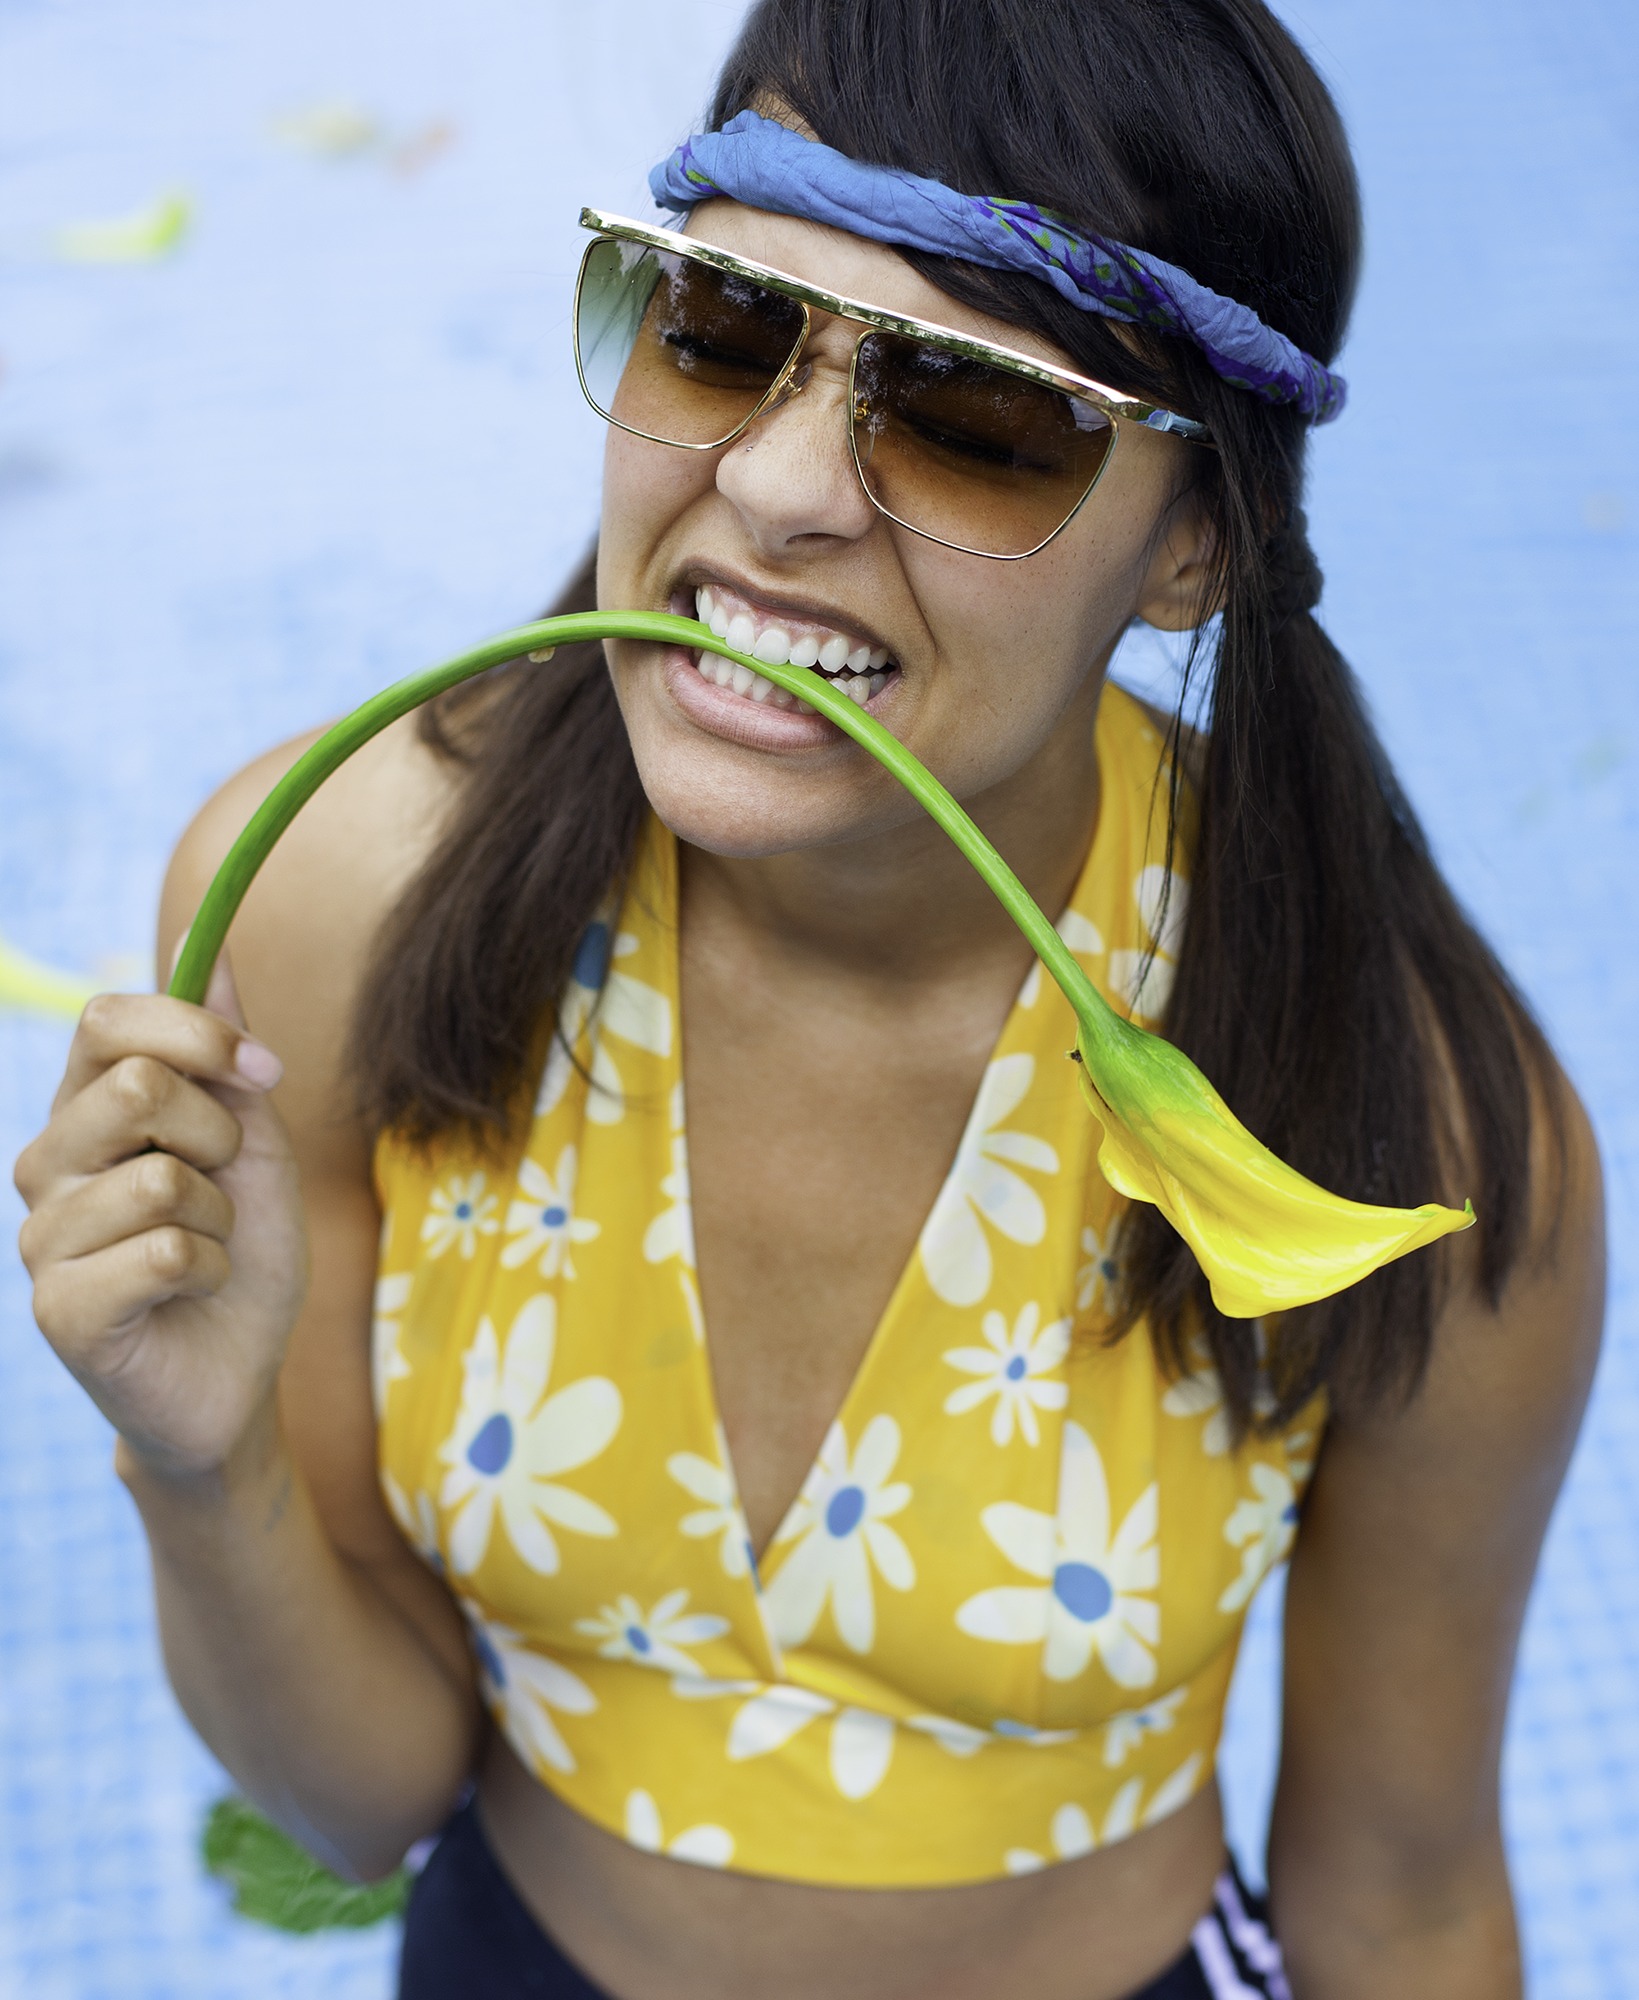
[165,1235]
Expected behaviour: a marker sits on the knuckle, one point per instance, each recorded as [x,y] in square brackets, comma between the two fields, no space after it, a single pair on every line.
[25,1176]
[99,1018]
[28,1243]
[52,1308]
[141,1085]
[160,1183]
[168,1254]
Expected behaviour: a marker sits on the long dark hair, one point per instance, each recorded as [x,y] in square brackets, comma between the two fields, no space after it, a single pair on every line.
[1327,981]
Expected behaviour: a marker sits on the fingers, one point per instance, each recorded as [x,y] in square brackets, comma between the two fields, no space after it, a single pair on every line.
[139,1104]
[153,1191]
[80,1305]
[195,1040]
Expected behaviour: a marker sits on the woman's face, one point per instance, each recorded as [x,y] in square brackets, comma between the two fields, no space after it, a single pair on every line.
[993,667]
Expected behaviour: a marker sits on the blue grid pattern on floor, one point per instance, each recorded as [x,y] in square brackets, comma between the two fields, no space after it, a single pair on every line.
[338,436]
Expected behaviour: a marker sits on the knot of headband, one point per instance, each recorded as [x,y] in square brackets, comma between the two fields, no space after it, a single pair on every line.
[767,165]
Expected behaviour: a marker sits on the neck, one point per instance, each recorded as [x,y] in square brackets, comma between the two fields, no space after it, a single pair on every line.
[906,908]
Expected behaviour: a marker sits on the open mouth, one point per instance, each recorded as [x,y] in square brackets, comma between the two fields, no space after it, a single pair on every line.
[859,671]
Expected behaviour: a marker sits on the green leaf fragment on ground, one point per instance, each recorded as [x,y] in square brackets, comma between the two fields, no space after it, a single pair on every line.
[276,1882]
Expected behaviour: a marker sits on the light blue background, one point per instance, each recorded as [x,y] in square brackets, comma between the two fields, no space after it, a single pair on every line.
[337,437]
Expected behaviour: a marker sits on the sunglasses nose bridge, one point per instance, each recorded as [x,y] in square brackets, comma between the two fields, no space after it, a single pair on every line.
[791,381]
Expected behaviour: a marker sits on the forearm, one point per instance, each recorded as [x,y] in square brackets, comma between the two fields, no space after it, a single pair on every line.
[330,1709]
[1439,1928]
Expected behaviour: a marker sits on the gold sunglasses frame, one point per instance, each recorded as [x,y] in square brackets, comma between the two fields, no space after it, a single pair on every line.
[1118,408]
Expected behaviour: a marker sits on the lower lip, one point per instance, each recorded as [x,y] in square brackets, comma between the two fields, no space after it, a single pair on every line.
[736,718]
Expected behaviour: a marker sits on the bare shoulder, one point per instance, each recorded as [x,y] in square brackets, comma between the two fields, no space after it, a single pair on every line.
[302,940]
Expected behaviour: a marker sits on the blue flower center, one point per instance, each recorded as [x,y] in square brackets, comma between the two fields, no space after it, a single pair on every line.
[492,1447]
[847,1507]
[554,1217]
[1015,1369]
[1109,1268]
[592,957]
[463,1211]
[638,1639]
[1083,1591]
[488,1658]
[1291,1513]
[1004,1725]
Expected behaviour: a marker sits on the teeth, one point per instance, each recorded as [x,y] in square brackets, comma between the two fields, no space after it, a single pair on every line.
[718,621]
[773,645]
[878,683]
[859,660]
[723,673]
[833,655]
[858,690]
[704,604]
[859,671]
[879,659]
[806,651]
[741,680]
[741,633]
[804,708]
[782,698]
[760,689]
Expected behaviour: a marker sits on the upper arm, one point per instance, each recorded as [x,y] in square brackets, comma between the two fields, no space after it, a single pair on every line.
[1408,1586]
[300,948]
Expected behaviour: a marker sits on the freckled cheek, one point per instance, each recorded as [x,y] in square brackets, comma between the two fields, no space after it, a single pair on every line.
[647,488]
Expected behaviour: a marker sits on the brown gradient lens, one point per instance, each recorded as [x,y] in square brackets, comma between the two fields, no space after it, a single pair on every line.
[969,453]
[676,349]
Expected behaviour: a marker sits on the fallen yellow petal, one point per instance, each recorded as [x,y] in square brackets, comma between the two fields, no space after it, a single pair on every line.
[137,238]
[28,987]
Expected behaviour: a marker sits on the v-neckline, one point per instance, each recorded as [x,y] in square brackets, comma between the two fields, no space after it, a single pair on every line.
[912,1274]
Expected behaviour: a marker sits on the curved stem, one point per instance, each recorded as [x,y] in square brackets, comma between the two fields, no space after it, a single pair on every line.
[303,779]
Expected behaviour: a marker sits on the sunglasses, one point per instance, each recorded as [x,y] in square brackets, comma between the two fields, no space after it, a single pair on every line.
[973,445]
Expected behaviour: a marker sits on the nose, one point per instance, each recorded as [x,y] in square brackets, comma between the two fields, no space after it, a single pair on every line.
[791,476]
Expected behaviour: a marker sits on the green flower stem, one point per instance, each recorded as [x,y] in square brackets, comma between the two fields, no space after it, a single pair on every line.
[303,779]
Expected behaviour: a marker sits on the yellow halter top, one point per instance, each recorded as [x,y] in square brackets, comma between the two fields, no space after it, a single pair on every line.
[996,1628]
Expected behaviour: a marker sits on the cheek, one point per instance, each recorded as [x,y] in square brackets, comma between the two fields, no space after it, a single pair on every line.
[646,489]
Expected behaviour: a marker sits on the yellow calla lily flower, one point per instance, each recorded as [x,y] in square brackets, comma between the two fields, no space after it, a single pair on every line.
[1266,1238]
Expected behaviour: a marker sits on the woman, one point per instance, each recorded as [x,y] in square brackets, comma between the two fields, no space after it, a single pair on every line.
[846,1515]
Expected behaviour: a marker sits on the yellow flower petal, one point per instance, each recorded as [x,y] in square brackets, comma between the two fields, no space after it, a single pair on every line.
[1266,1238]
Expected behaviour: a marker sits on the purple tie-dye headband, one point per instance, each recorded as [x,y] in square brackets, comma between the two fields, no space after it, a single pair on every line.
[767,165]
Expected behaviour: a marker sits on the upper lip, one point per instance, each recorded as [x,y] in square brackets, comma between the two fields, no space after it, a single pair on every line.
[808,609]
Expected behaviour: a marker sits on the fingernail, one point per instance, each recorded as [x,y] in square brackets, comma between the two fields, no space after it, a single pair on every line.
[257,1064]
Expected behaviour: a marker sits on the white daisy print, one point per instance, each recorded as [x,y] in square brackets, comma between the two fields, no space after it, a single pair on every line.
[1123,1733]
[1097,1590]
[1144,978]
[526,1686]
[654,1638]
[509,1445]
[1012,1367]
[1201,1394]
[1081,934]
[839,1523]
[619,1007]
[719,1513]
[458,1213]
[387,1363]
[705,1845]
[961,1739]
[418,1519]
[1072,1834]
[983,1191]
[1099,1274]
[671,1234]
[861,1746]
[1262,1528]
[544,1222]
